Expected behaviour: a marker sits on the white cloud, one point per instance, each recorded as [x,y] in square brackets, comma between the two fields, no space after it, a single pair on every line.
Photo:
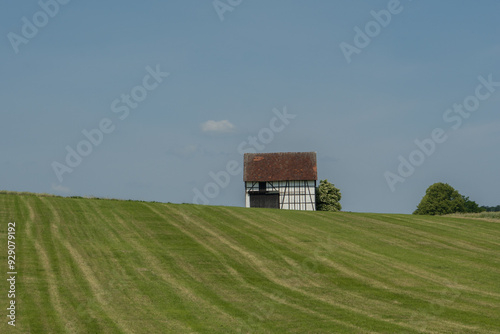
[60,189]
[223,126]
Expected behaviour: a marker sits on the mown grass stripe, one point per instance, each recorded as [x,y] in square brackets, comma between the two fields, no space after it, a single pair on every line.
[277,288]
[254,261]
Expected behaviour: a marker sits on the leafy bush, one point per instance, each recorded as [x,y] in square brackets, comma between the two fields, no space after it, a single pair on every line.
[328,197]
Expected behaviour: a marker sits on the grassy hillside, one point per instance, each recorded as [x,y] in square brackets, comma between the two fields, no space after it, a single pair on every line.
[486,215]
[107,266]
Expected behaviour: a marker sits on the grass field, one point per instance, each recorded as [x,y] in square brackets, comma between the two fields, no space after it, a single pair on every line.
[108,266]
[486,215]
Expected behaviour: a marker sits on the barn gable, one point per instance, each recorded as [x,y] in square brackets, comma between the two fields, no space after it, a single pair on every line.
[280,180]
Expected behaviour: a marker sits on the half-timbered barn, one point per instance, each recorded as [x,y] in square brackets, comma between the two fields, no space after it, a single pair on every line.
[280,180]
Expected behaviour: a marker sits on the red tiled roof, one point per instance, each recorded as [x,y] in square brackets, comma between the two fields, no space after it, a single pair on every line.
[280,166]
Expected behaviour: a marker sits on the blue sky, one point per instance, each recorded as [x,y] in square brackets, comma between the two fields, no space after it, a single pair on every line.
[225,79]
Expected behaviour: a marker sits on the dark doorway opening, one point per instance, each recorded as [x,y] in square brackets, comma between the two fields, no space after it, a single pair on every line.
[269,200]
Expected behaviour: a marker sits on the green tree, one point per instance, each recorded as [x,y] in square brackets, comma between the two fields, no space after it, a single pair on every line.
[471,206]
[440,199]
[491,208]
[328,197]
